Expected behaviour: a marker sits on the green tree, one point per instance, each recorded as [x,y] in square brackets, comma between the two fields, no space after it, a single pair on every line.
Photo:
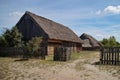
[104,41]
[118,44]
[13,37]
[3,42]
[110,42]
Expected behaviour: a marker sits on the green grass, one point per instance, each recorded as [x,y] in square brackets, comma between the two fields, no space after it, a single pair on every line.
[75,56]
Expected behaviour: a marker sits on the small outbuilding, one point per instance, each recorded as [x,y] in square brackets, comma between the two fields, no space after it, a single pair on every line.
[90,43]
[53,34]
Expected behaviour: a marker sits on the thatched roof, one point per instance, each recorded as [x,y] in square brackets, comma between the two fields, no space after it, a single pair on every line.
[89,41]
[54,30]
[86,43]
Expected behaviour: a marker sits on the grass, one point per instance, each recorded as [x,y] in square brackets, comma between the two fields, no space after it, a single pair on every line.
[49,61]
[92,56]
[75,56]
[9,65]
[14,66]
[4,69]
[112,69]
[85,57]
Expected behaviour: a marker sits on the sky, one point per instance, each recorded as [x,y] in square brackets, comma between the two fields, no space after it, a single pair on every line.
[98,18]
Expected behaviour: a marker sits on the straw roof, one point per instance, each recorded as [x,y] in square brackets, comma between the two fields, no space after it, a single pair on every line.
[89,41]
[86,43]
[54,30]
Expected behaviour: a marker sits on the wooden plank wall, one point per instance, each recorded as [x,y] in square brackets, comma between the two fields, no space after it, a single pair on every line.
[110,55]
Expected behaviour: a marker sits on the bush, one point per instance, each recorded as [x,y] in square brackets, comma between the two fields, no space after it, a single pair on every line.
[32,47]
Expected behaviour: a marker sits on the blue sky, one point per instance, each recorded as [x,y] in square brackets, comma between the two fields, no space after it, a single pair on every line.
[99,18]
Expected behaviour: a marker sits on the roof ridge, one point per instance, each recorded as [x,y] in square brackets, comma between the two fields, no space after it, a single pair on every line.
[53,28]
[30,13]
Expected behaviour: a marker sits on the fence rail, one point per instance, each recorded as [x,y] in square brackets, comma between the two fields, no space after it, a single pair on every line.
[11,51]
[110,55]
[20,52]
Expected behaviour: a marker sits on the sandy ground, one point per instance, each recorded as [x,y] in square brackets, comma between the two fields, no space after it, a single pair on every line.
[79,69]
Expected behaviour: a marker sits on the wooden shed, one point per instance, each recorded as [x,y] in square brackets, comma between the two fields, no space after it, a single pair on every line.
[53,34]
[90,43]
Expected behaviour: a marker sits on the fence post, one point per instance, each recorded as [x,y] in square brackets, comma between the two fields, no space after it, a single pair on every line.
[101,55]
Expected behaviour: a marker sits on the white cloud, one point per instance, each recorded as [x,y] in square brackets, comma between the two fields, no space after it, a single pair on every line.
[98,12]
[112,9]
[109,10]
[16,14]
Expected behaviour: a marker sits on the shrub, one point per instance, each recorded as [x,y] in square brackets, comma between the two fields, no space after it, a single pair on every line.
[32,47]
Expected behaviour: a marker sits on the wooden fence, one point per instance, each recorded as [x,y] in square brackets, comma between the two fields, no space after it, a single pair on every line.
[11,52]
[110,55]
[20,52]
[62,53]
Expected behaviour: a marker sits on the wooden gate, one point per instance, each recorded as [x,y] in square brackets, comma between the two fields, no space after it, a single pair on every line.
[110,55]
[62,54]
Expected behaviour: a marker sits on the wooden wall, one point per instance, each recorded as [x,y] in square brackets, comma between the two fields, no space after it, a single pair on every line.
[29,28]
[74,47]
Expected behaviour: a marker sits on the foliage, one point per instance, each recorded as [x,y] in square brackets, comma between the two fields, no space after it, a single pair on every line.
[32,46]
[13,37]
[3,42]
[110,42]
[104,41]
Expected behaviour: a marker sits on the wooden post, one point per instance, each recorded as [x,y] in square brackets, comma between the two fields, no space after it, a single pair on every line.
[101,56]
[115,55]
[118,55]
[107,55]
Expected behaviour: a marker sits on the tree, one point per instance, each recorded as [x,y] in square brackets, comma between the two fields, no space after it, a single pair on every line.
[3,42]
[13,37]
[110,42]
[104,41]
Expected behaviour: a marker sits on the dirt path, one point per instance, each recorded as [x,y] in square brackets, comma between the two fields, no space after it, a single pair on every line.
[87,72]
[79,69]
